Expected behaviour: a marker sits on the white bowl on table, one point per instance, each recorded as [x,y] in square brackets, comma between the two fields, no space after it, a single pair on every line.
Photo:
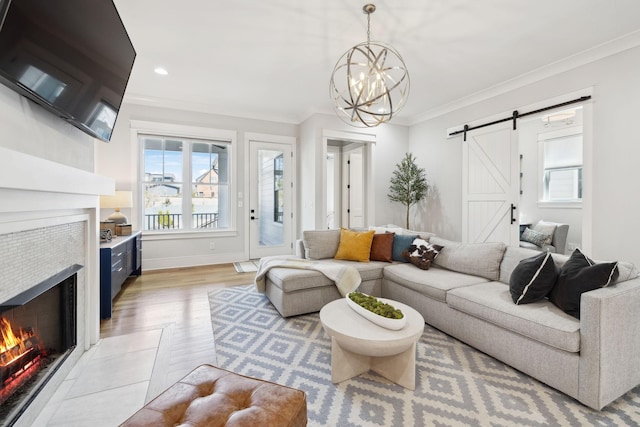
[385,322]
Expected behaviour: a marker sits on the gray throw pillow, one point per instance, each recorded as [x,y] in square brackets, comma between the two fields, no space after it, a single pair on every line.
[478,259]
[320,244]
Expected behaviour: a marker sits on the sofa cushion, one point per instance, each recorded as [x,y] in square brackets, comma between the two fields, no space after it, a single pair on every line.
[541,321]
[382,247]
[578,275]
[320,244]
[433,283]
[292,279]
[400,243]
[533,278]
[354,245]
[478,259]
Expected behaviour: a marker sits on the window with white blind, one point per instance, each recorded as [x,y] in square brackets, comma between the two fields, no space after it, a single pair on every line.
[561,165]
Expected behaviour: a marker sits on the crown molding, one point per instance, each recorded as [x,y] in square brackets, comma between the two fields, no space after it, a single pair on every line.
[593,54]
[136,99]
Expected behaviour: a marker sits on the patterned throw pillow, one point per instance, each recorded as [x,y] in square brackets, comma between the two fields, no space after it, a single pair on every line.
[547,228]
[421,253]
[535,237]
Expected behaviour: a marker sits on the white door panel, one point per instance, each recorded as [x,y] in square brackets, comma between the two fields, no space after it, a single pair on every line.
[356,190]
[490,185]
[270,198]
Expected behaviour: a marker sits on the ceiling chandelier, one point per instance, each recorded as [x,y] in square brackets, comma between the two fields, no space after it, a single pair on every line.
[370,83]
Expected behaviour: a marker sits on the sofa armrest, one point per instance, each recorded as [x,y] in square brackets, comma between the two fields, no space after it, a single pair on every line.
[610,343]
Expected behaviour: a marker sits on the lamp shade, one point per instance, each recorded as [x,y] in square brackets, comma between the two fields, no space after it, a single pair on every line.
[121,199]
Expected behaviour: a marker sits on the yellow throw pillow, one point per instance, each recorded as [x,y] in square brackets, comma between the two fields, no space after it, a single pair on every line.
[355,245]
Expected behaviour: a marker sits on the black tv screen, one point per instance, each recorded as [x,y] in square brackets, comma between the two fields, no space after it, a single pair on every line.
[74,57]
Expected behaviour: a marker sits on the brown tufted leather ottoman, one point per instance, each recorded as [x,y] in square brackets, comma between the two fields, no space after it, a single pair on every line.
[210,396]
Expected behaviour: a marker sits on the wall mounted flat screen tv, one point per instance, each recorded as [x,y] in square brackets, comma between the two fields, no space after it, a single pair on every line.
[73,57]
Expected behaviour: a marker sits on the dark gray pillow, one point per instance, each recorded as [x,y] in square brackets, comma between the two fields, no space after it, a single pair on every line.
[581,274]
[533,278]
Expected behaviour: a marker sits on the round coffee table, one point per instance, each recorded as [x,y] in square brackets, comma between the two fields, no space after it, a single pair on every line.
[359,345]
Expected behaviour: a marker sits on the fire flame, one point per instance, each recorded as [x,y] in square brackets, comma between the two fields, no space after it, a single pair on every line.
[11,345]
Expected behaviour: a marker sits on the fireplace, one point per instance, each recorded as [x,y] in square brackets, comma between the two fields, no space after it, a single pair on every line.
[38,331]
[49,222]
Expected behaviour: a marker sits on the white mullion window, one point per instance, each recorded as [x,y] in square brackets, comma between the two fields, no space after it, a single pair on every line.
[185,183]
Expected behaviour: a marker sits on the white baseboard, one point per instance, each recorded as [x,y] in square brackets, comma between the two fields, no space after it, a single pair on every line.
[192,261]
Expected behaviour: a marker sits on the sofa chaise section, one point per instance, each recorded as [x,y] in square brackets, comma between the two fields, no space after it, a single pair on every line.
[294,292]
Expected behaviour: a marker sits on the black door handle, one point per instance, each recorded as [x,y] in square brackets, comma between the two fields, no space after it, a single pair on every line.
[513,208]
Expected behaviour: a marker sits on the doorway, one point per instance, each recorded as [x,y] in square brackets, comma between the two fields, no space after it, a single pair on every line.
[347,184]
[270,198]
[551,173]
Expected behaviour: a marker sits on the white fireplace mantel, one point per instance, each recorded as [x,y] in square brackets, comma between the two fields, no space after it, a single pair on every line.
[22,172]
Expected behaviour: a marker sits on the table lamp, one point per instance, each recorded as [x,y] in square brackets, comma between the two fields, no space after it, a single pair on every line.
[121,199]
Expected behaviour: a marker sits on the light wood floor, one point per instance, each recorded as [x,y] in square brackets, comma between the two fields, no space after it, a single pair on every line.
[176,301]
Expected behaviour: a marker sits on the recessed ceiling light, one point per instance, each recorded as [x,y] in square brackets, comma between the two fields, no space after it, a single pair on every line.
[160,70]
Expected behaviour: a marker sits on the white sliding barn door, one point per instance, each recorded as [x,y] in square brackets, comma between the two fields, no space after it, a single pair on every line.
[490,181]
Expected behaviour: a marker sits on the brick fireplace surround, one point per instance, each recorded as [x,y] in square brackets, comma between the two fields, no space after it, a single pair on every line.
[49,221]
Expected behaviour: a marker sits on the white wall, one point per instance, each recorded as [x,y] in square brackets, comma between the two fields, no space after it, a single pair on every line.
[391,144]
[120,160]
[614,174]
[28,128]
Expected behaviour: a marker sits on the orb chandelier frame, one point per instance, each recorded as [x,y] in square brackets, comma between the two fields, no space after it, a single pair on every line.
[370,82]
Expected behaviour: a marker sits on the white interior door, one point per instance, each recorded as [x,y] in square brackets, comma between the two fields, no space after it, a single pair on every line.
[491,174]
[355,212]
[334,186]
[270,199]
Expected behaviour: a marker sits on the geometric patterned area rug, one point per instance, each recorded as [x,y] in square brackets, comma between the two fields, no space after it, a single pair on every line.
[456,385]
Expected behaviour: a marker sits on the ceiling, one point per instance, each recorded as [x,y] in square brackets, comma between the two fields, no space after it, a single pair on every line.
[272,59]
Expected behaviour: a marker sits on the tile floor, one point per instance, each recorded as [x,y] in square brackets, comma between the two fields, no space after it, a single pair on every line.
[111,381]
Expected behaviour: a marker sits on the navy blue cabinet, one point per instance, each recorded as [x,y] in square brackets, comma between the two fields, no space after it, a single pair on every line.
[119,259]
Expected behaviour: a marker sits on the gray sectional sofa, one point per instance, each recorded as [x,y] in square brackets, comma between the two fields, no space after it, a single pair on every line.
[594,359]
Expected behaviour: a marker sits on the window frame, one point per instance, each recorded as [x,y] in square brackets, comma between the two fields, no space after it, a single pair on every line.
[205,134]
[542,172]
[278,173]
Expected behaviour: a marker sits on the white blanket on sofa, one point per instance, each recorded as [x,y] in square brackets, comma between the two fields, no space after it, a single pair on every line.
[346,278]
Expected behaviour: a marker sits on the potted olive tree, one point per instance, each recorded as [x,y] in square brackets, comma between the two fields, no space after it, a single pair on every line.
[409,184]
